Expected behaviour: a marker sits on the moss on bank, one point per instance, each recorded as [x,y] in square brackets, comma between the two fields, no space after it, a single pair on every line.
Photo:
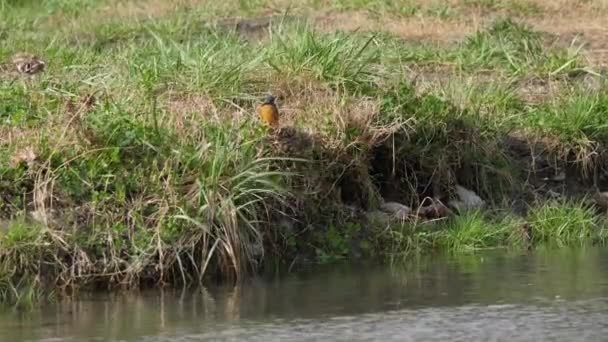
[136,158]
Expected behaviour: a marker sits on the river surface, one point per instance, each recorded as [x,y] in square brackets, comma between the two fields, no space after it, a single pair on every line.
[545,295]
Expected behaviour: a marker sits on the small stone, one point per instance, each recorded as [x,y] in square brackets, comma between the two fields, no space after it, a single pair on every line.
[467,200]
[396,209]
[378,217]
[560,177]
[455,204]
[601,199]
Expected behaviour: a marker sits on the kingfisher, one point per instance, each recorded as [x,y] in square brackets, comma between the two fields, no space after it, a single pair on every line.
[269,112]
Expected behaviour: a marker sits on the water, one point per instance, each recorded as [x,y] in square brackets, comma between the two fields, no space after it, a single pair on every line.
[552,295]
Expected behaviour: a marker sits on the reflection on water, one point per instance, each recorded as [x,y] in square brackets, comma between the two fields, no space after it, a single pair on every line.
[552,294]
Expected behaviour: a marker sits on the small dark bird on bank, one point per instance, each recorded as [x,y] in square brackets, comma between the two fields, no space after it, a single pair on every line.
[269,112]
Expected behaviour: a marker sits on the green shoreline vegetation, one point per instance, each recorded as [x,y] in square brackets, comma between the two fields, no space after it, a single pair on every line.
[136,158]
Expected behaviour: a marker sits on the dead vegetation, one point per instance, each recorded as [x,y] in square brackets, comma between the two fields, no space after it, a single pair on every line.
[417,29]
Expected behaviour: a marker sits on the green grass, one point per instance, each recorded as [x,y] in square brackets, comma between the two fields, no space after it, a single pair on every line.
[404,8]
[339,60]
[473,231]
[553,223]
[515,48]
[564,224]
[575,118]
[170,178]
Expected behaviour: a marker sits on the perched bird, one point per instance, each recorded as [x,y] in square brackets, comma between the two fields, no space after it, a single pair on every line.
[28,64]
[269,112]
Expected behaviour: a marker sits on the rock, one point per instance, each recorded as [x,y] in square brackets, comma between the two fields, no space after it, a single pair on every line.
[467,200]
[378,217]
[456,205]
[396,210]
[558,177]
[601,199]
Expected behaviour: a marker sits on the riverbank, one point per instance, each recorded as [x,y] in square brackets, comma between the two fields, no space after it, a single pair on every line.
[136,158]
[505,294]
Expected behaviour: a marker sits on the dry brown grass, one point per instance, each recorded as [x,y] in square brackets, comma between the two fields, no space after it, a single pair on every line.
[538,90]
[564,18]
[576,22]
[148,8]
[587,29]
[412,28]
[571,7]
[121,10]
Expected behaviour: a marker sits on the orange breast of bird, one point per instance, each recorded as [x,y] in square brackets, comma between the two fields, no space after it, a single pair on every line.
[269,114]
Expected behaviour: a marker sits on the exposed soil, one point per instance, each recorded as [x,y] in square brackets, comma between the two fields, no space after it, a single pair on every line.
[412,28]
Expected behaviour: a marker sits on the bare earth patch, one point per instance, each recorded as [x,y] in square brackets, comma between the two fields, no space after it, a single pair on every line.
[187,111]
[411,28]
[577,23]
[573,22]
[149,8]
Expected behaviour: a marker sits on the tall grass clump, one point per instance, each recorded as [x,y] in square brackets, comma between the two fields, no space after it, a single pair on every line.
[220,65]
[26,248]
[408,239]
[515,48]
[472,231]
[574,119]
[233,198]
[563,223]
[141,203]
[341,60]
[572,127]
